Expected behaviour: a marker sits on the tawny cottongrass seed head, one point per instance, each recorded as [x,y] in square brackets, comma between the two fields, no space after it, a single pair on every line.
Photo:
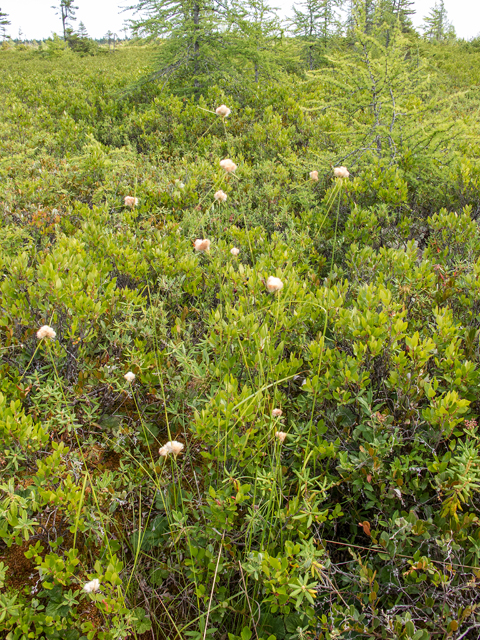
[202,245]
[46,332]
[173,447]
[274,284]
[130,201]
[314,176]
[129,376]
[220,195]
[165,450]
[228,165]
[176,447]
[281,435]
[223,111]
[341,172]
[92,586]
[234,251]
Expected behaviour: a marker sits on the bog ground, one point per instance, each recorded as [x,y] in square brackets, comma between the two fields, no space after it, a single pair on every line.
[240,400]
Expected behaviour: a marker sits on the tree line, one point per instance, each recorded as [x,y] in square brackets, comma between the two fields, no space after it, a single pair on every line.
[217,40]
[201,41]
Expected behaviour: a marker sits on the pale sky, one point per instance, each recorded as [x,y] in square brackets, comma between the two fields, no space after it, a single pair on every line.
[37,19]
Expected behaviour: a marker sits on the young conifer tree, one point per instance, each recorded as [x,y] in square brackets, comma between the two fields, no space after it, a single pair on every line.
[368,9]
[314,21]
[387,96]
[82,31]
[212,41]
[391,13]
[192,37]
[403,10]
[436,25]
[4,22]
[258,39]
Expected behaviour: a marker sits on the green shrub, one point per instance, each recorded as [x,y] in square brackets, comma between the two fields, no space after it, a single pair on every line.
[328,485]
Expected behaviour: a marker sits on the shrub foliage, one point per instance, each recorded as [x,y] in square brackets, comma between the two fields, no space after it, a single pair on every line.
[363,522]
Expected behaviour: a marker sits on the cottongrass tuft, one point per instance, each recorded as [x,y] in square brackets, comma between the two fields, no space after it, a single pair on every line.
[176,447]
[341,172]
[274,284]
[92,586]
[314,176]
[281,435]
[228,165]
[129,376]
[173,447]
[234,251]
[221,196]
[130,201]
[46,332]
[223,111]
[202,245]
[276,413]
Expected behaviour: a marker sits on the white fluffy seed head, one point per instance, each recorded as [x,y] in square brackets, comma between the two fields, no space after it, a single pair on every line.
[221,196]
[46,332]
[276,413]
[130,201]
[129,376]
[165,450]
[223,111]
[173,447]
[176,447]
[314,176]
[202,245]
[341,172]
[92,586]
[281,435]
[228,165]
[274,284]
[234,251]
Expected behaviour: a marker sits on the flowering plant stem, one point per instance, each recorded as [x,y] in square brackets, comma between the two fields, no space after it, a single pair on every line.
[87,472]
[338,188]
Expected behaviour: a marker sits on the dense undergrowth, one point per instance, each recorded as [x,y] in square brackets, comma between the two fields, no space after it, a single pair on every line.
[364,520]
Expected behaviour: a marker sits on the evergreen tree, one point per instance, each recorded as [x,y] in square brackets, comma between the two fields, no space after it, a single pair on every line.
[368,9]
[192,33]
[66,9]
[109,38]
[205,41]
[258,37]
[402,10]
[313,22]
[393,12]
[80,42]
[4,22]
[436,25]
[82,31]
[386,96]
[363,8]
